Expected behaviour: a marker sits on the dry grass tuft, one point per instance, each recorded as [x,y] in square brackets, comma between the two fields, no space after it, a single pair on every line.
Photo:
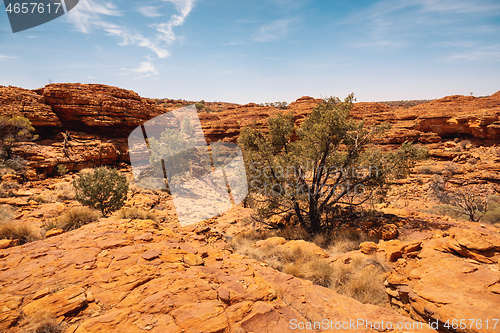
[6,212]
[77,217]
[43,326]
[297,262]
[340,241]
[362,279]
[21,231]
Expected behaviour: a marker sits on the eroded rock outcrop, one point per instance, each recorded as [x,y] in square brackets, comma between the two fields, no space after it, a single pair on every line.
[83,125]
[135,275]
[451,278]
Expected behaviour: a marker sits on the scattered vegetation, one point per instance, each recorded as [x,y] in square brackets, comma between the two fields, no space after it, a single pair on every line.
[298,262]
[103,189]
[44,326]
[75,218]
[278,105]
[61,169]
[200,105]
[492,214]
[14,130]
[360,277]
[330,164]
[18,230]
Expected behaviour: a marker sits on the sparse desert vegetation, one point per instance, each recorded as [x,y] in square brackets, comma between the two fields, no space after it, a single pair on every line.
[114,253]
[360,277]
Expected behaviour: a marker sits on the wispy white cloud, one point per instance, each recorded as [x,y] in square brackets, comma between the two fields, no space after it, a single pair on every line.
[273,31]
[4,57]
[91,15]
[126,37]
[149,11]
[146,69]
[166,29]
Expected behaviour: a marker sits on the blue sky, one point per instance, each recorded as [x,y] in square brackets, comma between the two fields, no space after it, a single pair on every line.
[264,51]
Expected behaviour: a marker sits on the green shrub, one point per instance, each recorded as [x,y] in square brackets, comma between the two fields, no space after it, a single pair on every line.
[77,217]
[103,189]
[199,106]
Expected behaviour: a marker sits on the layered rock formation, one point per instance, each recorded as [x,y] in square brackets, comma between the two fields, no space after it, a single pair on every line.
[99,118]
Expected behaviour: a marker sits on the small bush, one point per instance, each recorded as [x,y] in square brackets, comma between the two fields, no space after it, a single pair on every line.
[21,231]
[492,215]
[16,163]
[14,130]
[78,217]
[103,189]
[340,241]
[199,106]
[136,213]
[61,169]
[39,198]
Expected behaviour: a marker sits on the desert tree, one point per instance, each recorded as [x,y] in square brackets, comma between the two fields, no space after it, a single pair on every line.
[467,201]
[14,130]
[325,163]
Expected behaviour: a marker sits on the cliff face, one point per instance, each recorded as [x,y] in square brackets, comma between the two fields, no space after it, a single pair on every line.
[99,119]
